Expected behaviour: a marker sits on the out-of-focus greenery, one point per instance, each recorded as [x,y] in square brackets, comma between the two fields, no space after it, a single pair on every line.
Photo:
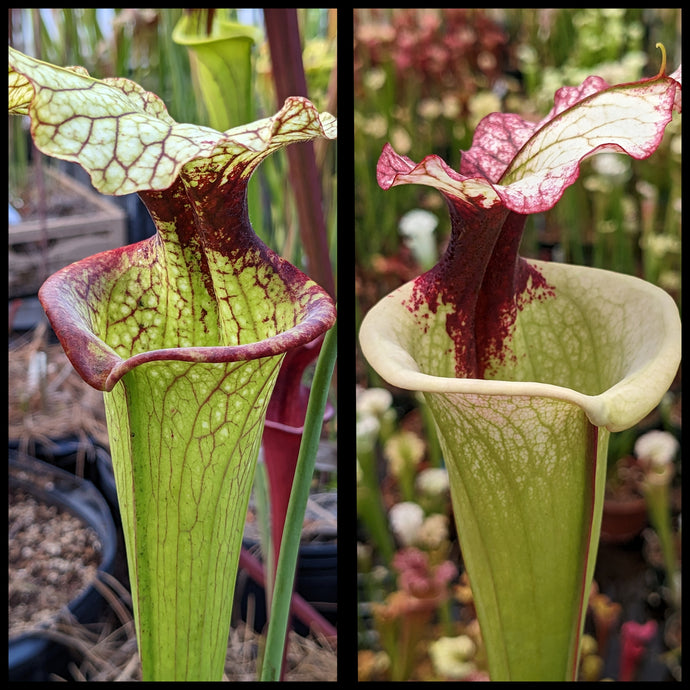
[318,28]
[138,44]
[423,78]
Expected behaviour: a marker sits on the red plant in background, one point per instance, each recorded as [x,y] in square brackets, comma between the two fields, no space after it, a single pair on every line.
[283,433]
[403,619]
[605,614]
[635,637]
[419,578]
[441,48]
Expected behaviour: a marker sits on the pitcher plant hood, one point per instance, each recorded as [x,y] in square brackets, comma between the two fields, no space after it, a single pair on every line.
[204,287]
[185,332]
[486,319]
[526,366]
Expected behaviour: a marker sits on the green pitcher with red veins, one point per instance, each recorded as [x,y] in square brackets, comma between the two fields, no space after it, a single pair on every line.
[184,332]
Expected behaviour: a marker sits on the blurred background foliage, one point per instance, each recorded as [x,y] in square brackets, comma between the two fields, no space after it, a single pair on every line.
[138,44]
[424,78]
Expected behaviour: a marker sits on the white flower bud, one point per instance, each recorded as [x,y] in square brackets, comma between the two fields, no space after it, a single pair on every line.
[373,401]
[405,520]
[656,448]
[452,656]
[433,482]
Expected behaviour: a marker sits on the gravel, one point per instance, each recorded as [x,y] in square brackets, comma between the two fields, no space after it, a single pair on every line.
[53,557]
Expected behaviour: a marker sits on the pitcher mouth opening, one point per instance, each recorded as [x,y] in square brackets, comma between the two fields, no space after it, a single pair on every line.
[643,356]
[275,345]
[102,367]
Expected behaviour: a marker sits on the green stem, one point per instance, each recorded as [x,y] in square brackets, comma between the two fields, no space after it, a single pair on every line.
[372,512]
[433,445]
[445,615]
[261,496]
[287,561]
[658,506]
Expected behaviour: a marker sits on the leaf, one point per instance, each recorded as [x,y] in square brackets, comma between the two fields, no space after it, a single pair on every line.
[184,332]
[526,517]
[628,119]
[222,65]
[184,439]
[525,458]
[125,139]
[527,166]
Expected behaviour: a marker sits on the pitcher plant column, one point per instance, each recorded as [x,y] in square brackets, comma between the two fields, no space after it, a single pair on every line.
[184,332]
[528,366]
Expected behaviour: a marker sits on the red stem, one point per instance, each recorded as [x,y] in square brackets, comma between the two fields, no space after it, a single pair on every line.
[282,31]
[299,607]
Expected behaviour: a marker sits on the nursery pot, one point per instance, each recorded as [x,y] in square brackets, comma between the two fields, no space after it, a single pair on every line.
[625,509]
[85,458]
[317,578]
[32,656]
[316,581]
[79,456]
[316,575]
[623,520]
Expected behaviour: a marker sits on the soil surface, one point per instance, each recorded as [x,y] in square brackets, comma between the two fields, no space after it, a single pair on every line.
[53,557]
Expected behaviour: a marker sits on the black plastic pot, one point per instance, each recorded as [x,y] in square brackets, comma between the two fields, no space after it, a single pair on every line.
[64,453]
[316,575]
[316,581]
[33,657]
[106,479]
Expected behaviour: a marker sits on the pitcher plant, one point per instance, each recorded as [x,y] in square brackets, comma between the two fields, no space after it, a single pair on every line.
[184,332]
[527,366]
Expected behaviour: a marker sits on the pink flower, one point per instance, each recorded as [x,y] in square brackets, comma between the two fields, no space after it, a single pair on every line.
[634,640]
[419,578]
